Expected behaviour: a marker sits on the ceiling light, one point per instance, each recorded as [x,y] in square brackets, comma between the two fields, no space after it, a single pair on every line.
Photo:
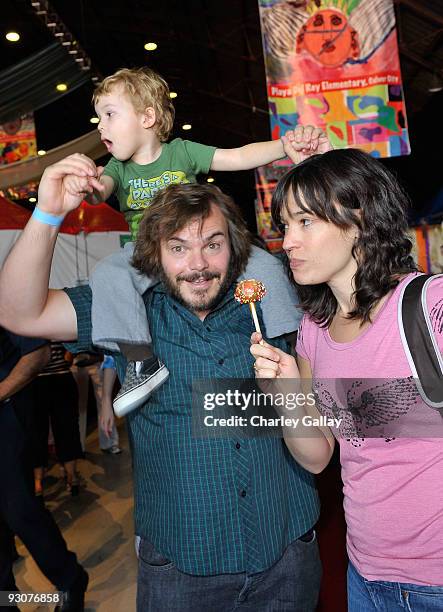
[59,34]
[66,43]
[61,87]
[13,36]
[32,200]
[41,152]
[172,94]
[151,46]
[73,51]
[35,4]
[94,120]
[210,179]
[51,24]
[186,126]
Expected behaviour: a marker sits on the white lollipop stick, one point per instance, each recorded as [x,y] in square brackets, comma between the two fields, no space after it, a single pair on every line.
[255,319]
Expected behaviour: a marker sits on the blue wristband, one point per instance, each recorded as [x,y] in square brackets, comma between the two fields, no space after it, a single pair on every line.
[46,218]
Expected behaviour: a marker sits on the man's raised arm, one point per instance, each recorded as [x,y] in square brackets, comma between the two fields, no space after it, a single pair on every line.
[27,306]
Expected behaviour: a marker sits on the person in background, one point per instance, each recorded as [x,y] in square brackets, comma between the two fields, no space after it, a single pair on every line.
[108,430]
[86,371]
[21,513]
[91,368]
[57,403]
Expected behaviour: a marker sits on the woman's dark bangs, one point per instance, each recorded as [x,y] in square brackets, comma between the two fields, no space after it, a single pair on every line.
[279,198]
[307,198]
[314,190]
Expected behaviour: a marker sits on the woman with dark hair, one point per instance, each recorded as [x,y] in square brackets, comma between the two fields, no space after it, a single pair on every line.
[344,221]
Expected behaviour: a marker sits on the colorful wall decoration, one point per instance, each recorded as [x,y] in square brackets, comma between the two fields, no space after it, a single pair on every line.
[18,143]
[334,64]
[17,140]
[427,241]
[265,182]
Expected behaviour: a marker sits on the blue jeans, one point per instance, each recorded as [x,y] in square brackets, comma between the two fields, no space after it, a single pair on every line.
[291,584]
[371,595]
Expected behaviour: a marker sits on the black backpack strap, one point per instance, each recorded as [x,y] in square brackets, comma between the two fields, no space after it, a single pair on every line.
[419,342]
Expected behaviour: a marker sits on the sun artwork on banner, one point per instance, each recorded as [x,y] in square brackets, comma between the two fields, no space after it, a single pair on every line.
[329,38]
[330,31]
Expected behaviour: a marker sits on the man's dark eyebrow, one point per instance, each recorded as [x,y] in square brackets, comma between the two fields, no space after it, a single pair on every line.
[177,239]
[208,239]
[214,234]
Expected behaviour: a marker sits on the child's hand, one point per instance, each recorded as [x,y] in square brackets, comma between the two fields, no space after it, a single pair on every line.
[304,141]
[77,185]
[98,185]
[85,186]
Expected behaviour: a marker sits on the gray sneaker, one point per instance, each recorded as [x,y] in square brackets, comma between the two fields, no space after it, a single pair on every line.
[142,378]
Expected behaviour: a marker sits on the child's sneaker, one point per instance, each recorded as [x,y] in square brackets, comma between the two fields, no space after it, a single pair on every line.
[142,378]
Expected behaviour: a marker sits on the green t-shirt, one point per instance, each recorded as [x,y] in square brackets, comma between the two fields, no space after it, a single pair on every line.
[136,185]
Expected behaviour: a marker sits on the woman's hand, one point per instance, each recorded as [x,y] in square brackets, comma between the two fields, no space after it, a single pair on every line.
[271,362]
[274,369]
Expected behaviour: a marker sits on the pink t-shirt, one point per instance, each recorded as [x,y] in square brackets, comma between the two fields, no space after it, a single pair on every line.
[393,481]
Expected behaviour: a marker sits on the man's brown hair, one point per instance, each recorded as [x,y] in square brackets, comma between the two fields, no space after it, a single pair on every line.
[175,207]
[144,88]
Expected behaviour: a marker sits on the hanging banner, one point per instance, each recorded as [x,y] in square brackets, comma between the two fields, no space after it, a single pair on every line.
[265,182]
[17,140]
[18,144]
[334,64]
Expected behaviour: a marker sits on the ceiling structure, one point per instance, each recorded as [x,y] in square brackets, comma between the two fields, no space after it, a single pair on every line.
[210,53]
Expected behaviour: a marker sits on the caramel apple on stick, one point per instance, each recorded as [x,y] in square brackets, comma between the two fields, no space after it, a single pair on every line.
[248,292]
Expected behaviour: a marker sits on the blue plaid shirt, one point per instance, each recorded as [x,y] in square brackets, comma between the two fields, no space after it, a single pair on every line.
[212,506]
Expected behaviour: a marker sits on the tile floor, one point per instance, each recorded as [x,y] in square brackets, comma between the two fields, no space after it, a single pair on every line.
[98,527]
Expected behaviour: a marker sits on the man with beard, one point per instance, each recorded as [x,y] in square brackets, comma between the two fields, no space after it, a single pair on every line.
[223,523]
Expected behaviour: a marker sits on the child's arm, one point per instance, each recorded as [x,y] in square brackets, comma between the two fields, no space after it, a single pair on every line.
[248,157]
[302,142]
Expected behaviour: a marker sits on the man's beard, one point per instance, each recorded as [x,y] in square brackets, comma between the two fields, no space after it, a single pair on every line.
[205,303]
